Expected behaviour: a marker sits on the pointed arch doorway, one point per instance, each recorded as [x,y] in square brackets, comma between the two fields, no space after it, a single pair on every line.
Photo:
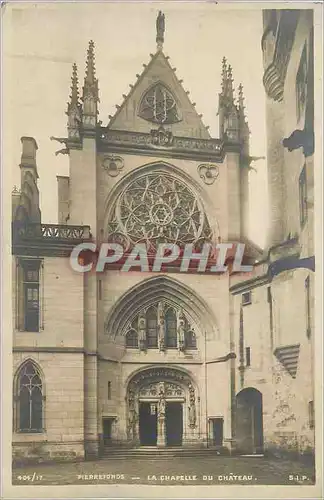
[161,407]
[249,421]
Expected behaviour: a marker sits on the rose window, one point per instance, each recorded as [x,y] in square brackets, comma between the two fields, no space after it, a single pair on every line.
[158,208]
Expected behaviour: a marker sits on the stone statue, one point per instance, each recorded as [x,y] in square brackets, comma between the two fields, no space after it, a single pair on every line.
[161,330]
[160,27]
[192,406]
[192,415]
[181,332]
[142,331]
[132,416]
[162,403]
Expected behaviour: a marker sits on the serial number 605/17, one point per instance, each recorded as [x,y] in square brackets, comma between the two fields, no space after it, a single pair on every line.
[30,477]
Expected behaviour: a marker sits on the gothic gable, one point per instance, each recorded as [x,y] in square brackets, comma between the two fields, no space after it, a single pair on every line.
[158,99]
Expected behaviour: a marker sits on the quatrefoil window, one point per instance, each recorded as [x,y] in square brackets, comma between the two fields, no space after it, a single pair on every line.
[159,106]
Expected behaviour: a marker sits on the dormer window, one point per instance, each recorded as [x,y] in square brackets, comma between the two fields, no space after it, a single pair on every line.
[159,106]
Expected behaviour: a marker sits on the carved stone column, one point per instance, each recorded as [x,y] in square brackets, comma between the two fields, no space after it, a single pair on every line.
[132,422]
[161,431]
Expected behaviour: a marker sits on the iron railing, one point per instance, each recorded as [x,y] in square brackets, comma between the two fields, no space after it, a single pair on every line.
[50,232]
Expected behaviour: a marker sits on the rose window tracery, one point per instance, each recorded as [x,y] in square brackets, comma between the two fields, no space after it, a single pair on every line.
[159,106]
[158,208]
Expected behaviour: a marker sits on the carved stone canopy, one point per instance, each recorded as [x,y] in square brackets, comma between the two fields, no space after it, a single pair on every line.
[152,376]
[171,390]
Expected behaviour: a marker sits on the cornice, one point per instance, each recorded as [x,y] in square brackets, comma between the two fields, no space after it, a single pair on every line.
[63,350]
[248,285]
[162,145]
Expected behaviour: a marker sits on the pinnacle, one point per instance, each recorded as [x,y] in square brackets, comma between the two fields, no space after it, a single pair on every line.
[224,73]
[74,97]
[90,82]
[240,96]
[90,64]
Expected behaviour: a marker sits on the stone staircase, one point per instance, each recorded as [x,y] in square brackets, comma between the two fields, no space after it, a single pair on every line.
[155,453]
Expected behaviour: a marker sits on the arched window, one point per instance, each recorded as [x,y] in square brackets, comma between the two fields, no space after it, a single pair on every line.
[171,328]
[30,399]
[151,327]
[159,106]
[191,342]
[132,338]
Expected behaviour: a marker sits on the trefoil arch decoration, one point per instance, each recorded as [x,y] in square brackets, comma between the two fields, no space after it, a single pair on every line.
[158,105]
[156,208]
[160,326]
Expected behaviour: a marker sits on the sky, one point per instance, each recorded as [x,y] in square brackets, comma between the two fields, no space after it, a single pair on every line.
[43,40]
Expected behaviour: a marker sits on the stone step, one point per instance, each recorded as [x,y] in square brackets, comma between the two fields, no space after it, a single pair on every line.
[154,453]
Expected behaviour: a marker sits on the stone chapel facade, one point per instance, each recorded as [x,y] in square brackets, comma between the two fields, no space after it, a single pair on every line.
[224,361]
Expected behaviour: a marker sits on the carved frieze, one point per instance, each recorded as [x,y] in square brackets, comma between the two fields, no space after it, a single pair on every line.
[161,138]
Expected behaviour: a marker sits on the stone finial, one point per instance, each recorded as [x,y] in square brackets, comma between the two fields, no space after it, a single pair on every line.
[90,93]
[90,64]
[74,97]
[224,74]
[74,107]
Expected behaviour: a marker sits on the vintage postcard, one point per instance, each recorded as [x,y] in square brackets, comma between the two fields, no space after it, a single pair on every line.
[162,223]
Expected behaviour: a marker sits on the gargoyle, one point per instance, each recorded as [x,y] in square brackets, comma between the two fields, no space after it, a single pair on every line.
[62,140]
[251,159]
[300,139]
[64,151]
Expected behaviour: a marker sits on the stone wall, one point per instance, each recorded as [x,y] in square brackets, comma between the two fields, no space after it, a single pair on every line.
[63,434]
